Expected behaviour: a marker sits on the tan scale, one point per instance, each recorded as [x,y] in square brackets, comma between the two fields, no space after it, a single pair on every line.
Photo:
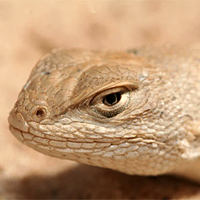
[136,111]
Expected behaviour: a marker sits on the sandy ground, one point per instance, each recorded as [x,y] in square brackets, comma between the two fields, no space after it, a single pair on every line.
[28,29]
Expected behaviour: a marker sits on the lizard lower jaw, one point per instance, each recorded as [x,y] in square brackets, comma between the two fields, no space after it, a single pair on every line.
[17,133]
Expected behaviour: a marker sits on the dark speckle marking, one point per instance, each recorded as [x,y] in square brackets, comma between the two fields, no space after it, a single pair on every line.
[173,98]
[45,73]
[133,51]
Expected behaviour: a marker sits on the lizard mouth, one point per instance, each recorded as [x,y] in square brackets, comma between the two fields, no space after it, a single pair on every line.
[18,125]
[18,133]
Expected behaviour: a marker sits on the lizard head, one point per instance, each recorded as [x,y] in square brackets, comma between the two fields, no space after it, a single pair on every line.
[98,108]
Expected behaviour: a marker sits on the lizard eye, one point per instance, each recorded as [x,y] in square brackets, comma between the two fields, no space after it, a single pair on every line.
[111,102]
[112,99]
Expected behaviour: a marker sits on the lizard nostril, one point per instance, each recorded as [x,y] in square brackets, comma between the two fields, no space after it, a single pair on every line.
[40,112]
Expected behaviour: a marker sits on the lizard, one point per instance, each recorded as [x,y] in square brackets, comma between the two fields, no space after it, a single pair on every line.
[134,111]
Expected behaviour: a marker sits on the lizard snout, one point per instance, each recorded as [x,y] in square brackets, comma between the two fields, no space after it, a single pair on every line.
[17,121]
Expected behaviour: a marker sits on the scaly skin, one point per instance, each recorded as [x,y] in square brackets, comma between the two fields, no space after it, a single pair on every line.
[137,112]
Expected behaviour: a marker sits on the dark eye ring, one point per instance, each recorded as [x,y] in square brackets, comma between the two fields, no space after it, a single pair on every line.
[40,112]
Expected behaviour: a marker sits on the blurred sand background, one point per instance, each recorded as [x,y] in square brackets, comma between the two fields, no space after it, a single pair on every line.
[28,29]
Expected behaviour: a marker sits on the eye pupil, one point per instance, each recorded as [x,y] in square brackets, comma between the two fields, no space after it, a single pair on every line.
[40,113]
[112,99]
